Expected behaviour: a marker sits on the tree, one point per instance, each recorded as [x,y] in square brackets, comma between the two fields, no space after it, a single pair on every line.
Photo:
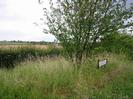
[80,24]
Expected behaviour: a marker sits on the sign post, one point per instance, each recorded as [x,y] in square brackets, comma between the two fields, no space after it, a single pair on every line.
[102,63]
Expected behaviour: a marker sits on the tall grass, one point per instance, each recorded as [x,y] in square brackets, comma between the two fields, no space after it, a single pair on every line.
[37,80]
[56,79]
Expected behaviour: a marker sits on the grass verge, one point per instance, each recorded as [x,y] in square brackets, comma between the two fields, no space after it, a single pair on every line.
[57,79]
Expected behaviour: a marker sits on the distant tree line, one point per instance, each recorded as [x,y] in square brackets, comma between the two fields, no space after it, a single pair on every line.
[26,42]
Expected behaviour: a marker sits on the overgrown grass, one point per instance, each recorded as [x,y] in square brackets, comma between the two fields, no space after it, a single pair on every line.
[56,79]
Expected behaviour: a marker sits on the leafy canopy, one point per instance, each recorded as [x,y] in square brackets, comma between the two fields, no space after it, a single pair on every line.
[80,24]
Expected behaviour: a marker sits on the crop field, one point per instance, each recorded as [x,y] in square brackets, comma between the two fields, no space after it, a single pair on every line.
[24,45]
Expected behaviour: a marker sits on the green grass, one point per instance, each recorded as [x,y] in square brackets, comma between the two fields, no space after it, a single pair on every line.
[56,79]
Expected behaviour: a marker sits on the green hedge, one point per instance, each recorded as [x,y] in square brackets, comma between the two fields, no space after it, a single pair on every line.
[9,57]
[116,43]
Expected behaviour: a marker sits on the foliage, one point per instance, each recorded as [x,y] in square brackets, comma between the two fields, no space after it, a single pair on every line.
[57,79]
[80,24]
[118,43]
[10,56]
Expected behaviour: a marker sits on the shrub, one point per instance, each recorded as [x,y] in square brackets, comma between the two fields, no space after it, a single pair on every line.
[9,57]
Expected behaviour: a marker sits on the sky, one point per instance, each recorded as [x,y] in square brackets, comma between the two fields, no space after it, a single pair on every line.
[18,18]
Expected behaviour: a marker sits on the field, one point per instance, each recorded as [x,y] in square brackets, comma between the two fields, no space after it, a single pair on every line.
[86,51]
[56,78]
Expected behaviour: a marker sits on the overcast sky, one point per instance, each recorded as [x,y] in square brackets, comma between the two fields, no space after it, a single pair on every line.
[17,18]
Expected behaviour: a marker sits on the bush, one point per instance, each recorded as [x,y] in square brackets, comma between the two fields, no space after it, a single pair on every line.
[116,43]
[9,57]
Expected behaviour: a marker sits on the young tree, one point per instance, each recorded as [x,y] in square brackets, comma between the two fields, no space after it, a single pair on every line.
[79,24]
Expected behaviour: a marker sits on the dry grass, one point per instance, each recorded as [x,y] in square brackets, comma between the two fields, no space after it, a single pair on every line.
[22,46]
[56,79]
